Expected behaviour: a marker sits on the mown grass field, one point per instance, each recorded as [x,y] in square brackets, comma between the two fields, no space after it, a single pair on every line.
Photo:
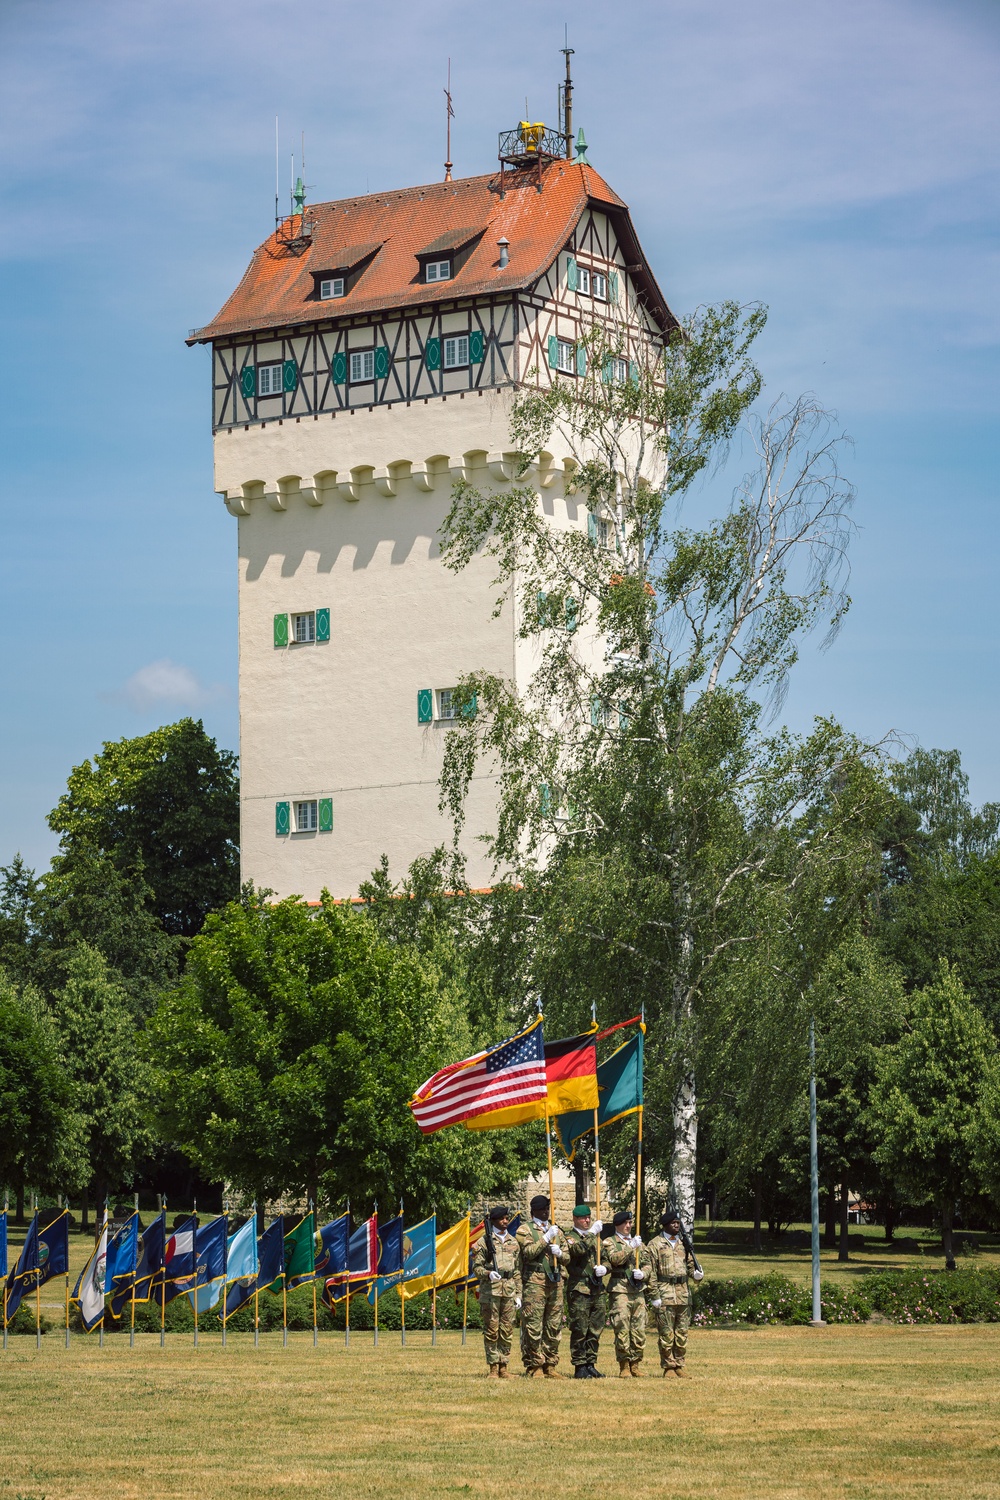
[854,1412]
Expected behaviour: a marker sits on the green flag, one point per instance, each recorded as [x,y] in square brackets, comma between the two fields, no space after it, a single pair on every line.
[300,1254]
[619,1090]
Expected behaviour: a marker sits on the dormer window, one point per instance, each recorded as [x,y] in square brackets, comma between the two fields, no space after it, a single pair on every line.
[330,287]
[437,270]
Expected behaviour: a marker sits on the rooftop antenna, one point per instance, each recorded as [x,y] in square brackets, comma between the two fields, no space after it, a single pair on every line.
[277,190]
[567,97]
[449,117]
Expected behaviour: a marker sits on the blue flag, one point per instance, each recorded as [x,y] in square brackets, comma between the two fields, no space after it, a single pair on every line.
[390,1256]
[420,1249]
[123,1257]
[148,1267]
[242,1264]
[178,1258]
[210,1265]
[362,1260]
[271,1264]
[331,1256]
[45,1253]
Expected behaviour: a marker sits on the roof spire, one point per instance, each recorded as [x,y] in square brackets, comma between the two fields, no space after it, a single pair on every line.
[449,117]
[566,100]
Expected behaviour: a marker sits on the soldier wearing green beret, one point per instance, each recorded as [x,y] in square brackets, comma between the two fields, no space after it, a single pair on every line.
[587,1295]
[495,1263]
[670,1264]
[624,1256]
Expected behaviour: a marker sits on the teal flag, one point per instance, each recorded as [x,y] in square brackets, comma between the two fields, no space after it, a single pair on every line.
[619,1090]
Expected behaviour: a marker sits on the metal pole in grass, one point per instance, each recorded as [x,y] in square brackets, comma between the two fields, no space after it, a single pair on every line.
[817,1302]
[163,1272]
[378,1251]
[6,1219]
[465,1299]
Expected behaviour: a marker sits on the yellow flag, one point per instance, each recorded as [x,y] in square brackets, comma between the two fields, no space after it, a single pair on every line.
[451,1259]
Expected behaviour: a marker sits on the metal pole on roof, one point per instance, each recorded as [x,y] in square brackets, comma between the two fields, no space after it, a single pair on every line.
[567,52]
[449,116]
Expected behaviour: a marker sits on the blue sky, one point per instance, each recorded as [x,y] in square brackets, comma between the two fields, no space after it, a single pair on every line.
[835,160]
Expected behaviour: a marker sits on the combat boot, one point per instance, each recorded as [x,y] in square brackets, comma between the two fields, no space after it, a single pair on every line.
[504,1373]
[624,1369]
[635,1369]
[493,1373]
[581,1373]
[536,1374]
[680,1372]
[595,1373]
[551,1373]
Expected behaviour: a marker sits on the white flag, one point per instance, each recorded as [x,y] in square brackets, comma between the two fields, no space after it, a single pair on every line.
[90,1287]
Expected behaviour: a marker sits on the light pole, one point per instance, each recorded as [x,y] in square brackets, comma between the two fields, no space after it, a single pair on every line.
[817,1307]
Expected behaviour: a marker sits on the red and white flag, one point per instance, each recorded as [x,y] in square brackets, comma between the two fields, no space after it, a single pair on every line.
[508,1077]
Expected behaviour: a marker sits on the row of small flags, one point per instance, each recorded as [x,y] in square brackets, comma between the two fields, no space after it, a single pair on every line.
[210,1266]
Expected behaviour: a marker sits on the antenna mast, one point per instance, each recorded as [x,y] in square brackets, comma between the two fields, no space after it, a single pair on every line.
[449,117]
[567,98]
[277,189]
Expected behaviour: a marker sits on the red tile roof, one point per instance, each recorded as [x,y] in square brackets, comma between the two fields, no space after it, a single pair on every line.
[278,289]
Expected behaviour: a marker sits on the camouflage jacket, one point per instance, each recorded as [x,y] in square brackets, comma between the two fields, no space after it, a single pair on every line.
[669,1265]
[536,1263]
[507,1254]
[583,1257]
[620,1258]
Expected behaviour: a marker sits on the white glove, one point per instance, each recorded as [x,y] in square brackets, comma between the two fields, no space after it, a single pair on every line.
[495,1276]
[636,1241]
[638,1275]
[517,1302]
[698,1275]
[595,1228]
[550,1233]
[656,1302]
[600,1271]
[555,1252]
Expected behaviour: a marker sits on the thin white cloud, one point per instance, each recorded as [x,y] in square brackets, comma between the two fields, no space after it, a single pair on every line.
[166,682]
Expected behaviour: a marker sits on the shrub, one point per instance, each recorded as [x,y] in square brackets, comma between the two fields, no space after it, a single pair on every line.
[914,1296]
[750,1300]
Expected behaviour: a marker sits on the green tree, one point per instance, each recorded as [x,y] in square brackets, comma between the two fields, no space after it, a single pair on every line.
[641,799]
[935,1106]
[163,807]
[18,898]
[100,1045]
[40,1130]
[286,1056]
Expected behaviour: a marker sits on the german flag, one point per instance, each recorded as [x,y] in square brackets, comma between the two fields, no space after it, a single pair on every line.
[570,1082]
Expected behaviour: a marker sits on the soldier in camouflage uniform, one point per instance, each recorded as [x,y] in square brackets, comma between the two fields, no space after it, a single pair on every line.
[624,1256]
[669,1265]
[499,1285]
[586,1296]
[542,1254]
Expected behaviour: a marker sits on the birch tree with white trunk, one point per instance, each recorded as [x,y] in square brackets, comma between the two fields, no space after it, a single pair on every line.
[644,806]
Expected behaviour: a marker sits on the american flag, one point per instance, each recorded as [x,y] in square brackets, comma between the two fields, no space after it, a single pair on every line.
[511,1073]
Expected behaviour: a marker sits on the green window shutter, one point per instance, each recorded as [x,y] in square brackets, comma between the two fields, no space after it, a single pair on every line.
[282,818]
[596,712]
[381,361]
[613,286]
[545,799]
[477,347]
[572,274]
[338,369]
[468,710]
[322,624]
[326,815]
[581,360]
[248,382]
[432,354]
[608,370]
[571,613]
[425,706]
[633,372]
[281,630]
[290,375]
[623,718]
[542,603]
[591,527]
[553,352]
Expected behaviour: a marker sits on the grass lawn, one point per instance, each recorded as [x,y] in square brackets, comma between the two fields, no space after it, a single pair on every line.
[848,1412]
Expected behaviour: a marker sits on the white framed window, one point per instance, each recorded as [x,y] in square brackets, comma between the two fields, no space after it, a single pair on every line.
[332,286]
[306,817]
[619,371]
[304,628]
[269,382]
[603,531]
[583,275]
[447,708]
[437,270]
[566,356]
[456,352]
[363,365]
[599,285]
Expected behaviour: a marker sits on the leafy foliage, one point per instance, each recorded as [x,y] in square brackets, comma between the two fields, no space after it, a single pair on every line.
[40,1131]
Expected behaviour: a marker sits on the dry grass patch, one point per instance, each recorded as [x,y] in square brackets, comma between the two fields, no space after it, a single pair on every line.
[778,1412]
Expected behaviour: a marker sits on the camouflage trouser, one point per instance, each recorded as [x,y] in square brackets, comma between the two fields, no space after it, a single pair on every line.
[541,1320]
[627,1315]
[672,1323]
[498,1323]
[587,1316]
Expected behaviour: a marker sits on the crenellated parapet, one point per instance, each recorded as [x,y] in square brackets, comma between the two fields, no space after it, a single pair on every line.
[401,477]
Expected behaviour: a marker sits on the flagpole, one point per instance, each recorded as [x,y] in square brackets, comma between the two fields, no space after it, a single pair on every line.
[284,1303]
[195,1247]
[135,1268]
[434,1286]
[256,1286]
[548,1127]
[347,1316]
[315,1327]
[67,1271]
[402,1315]
[465,1298]
[402,1276]
[375,1338]
[38,1285]
[6,1225]
[100,1334]
[638,1183]
[163,1275]
[225,1282]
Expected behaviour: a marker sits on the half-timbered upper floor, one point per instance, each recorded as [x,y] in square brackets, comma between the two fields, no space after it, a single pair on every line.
[457,286]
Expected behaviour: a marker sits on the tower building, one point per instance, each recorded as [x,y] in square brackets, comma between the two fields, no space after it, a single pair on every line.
[367,359]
